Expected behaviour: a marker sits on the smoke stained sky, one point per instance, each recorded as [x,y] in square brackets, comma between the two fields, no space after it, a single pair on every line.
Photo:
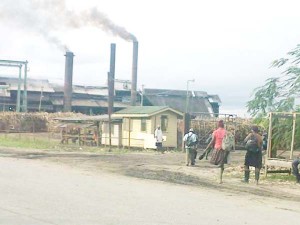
[226,46]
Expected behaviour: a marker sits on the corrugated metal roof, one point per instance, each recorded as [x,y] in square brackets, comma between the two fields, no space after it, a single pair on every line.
[77,102]
[141,109]
[196,104]
[104,103]
[32,84]
[74,124]
[58,88]
[214,98]
[90,90]
[144,111]
[38,84]
[87,119]
[94,91]
[122,85]
[85,102]
[89,103]
[168,92]
[83,118]
[199,101]
[87,90]
[78,89]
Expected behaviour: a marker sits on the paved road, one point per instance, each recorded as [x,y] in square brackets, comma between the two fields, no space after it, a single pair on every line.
[41,193]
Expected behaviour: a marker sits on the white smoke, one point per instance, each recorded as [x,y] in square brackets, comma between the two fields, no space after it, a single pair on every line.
[47,16]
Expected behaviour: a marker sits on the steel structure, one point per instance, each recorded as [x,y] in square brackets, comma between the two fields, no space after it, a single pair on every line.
[19,64]
[283,157]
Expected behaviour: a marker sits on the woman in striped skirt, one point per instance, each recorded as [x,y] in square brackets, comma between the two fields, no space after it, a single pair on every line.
[219,156]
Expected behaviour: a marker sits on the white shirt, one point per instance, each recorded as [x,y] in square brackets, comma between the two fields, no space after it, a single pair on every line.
[190,134]
[158,135]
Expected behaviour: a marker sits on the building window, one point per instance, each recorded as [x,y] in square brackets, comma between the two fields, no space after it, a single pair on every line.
[164,122]
[143,124]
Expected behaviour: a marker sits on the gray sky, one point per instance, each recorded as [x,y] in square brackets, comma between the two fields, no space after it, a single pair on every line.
[226,46]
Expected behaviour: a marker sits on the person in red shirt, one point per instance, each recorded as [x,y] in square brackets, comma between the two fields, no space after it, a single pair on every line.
[219,155]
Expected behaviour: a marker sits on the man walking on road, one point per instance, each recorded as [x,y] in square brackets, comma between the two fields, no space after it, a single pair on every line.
[190,142]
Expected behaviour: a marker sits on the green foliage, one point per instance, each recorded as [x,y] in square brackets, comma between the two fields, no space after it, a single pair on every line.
[262,123]
[43,142]
[281,177]
[282,133]
[278,93]
[264,98]
[26,142]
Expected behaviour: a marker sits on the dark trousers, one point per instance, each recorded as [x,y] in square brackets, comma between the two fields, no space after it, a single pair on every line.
[159,146]
[207,152]
[295,165]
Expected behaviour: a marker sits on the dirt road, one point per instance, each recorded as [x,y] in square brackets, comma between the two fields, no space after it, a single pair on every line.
[169,167]
[36,191]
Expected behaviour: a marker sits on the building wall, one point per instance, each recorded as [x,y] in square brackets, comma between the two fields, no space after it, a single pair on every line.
[170,134]
[114,134]
[145,139]
[134,136]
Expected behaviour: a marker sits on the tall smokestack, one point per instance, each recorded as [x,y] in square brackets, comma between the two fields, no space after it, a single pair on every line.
[68,82]
[111,79]
[111,88]
[134,73]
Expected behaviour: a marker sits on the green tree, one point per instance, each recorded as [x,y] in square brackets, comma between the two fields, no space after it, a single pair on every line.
[278,93]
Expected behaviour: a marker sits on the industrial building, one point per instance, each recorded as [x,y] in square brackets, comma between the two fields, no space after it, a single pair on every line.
[93,100]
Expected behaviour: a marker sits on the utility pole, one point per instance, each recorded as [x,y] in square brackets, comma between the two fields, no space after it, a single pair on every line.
[25,102]
[142,95]
[19,89]
[41,97]
[187,95]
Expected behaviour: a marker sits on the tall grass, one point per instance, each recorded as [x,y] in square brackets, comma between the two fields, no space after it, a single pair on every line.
[27,141]
[44,141]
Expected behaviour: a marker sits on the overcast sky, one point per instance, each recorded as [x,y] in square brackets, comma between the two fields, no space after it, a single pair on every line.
[226,46]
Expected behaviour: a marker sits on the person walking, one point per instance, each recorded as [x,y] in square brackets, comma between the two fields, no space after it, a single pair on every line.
[158,135]
[208,140]
[295,165]
[253,143]
[190,143]
[219,155]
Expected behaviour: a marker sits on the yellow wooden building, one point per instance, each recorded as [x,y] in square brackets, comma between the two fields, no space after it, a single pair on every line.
[138,126]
